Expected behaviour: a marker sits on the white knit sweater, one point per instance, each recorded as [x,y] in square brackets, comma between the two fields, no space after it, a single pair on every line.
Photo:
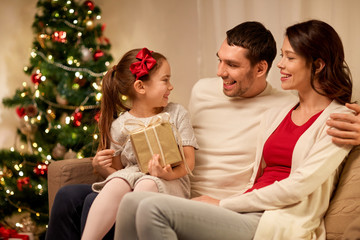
[226,129]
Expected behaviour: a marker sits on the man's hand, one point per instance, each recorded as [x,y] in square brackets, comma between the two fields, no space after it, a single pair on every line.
[345,128]
[207,199]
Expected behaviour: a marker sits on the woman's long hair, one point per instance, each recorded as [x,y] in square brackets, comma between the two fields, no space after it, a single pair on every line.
[314,40]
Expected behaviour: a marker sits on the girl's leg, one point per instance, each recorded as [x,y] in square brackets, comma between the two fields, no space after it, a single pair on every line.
[103,210]
[168,217]
[146,185]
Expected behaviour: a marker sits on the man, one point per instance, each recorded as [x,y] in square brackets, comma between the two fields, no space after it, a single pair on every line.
[226,114]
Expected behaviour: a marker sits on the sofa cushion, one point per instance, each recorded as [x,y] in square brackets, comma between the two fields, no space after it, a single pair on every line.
[345,204]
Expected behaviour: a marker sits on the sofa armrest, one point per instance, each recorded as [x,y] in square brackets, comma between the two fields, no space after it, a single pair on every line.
[69,171]
[345,204]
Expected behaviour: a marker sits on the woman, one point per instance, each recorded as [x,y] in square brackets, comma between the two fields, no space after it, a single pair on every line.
[296,164]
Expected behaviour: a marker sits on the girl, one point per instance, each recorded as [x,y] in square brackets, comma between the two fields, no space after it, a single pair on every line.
[143,76]
[296,164]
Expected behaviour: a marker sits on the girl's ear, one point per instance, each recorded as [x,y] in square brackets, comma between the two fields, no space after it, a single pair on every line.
[139,87]
[319,65]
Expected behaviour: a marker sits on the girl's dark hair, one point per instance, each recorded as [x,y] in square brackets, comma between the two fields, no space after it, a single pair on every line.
[314,40]
[117,82]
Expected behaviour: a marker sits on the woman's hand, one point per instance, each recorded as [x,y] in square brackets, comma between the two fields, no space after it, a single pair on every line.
[155,168]
[207,199]
[345,127]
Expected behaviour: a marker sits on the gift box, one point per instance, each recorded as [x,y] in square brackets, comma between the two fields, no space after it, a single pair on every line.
[11,234]
[155,139]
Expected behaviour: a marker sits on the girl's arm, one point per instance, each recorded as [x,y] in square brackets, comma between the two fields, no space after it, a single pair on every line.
[105,163]
[169,173]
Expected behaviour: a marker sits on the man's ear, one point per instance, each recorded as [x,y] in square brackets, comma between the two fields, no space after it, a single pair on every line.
[261,68]
[139,87]
[319,65]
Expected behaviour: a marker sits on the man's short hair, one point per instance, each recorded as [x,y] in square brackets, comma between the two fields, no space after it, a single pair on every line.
[257,39]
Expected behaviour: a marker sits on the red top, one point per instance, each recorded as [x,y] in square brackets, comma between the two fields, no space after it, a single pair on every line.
[278,150]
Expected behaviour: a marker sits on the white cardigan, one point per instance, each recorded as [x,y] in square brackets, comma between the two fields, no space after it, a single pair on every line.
[294,207]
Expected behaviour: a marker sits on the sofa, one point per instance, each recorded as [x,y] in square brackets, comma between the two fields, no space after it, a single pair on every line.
[343,212]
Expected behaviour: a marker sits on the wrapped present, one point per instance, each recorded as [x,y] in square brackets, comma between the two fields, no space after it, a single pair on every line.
[11,234]
[156,138]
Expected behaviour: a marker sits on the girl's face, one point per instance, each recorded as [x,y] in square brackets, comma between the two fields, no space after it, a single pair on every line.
[158,87]
[295,72]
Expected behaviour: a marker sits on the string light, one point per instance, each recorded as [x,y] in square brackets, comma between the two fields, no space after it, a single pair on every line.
[98,97]
[17,168]
[33,54]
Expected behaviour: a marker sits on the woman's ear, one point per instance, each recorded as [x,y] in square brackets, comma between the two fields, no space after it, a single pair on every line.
[139,87]
[319,65]
[262,67]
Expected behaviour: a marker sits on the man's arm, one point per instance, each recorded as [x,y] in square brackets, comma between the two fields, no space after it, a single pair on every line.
[345,128]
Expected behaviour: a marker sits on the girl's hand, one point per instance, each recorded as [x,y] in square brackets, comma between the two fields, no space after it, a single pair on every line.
[103,159]
[155,168]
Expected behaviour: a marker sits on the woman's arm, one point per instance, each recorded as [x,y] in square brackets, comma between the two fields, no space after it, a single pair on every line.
[319,164]
[169,173]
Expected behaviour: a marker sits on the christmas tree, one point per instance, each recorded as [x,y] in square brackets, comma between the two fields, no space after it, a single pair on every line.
[58,107]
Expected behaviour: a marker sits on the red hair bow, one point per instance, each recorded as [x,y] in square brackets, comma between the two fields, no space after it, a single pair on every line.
[145,63]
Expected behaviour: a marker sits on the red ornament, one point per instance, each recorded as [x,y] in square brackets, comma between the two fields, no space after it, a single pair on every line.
[7,232]
[23,182]
[20,111]
[41,169]
[97,116]
[98,54]
[77,118]
[59,36]
[36,78]
[89,4]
